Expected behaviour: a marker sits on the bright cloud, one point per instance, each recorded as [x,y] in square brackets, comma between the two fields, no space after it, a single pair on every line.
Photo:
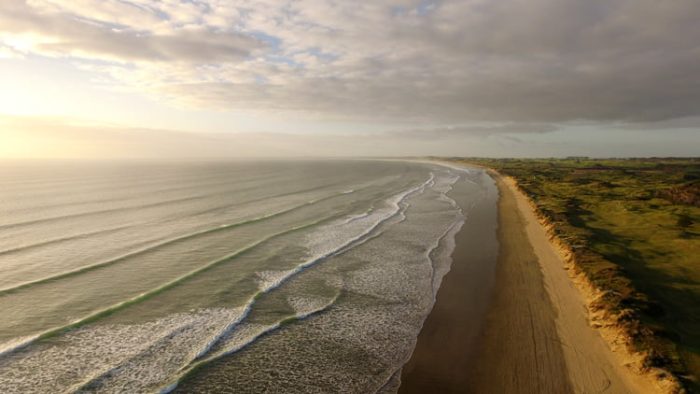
[436,62]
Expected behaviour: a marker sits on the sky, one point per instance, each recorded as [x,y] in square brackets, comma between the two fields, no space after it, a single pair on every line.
[277,78]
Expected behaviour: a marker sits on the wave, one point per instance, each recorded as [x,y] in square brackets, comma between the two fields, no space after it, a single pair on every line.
[322,242]
[254,333]
[358,188]
[391,384]
[370,221]
[367,213]
[273,280]
[144,367]
[107,311]
[63,239]
[16,344]
[161,203]
[107,185]
[224,340]
[447,236]
[209,210]
[449,233]
[280,276]
[160,245]
[179,330]
[97,212]
[146,295]
[107,358]
[265,198]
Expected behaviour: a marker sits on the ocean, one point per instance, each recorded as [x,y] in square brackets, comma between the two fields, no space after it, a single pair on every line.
[250,276]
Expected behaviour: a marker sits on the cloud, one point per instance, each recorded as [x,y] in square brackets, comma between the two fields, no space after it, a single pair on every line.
[692,122]
[57,32]
[461,131]
[431,62]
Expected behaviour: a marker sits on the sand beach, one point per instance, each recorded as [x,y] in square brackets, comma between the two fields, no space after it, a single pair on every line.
[533,336]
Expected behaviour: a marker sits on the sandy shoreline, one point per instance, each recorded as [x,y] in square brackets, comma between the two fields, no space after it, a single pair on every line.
[443,350]
[595,357]
[534,336]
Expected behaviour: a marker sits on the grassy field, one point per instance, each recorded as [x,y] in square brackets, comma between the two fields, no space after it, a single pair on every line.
[634,227]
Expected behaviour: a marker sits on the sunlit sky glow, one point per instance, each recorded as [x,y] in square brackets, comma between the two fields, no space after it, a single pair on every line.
[219,78]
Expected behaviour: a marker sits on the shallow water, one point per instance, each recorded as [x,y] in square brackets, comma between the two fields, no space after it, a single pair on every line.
[206,277]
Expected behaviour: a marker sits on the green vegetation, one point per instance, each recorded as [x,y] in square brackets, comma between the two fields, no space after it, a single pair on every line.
[634,228]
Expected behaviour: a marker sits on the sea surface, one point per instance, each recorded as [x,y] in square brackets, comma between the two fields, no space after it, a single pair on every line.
[269,276]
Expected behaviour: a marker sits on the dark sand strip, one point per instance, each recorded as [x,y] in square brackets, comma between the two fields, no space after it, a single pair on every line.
[443,351]
[515,349]
[519,349]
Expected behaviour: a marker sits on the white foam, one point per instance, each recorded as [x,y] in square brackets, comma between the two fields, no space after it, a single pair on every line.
[352,231]
[333,237]
[115,358]
[268,280]
[246,333]
[148,356]
[388,297]
[416,251]
[304,305]
[441,264]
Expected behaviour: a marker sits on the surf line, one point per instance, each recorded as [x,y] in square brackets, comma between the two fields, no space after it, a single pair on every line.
[16,345]
[358,240]
[63,239]
[116,209]
[157,246]
[299,268]
[193,367]
[451,231]
[82,235]
[199,358]
[143,296]
[396,202]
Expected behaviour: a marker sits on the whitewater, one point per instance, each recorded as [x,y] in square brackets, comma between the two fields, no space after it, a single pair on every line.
[250,276]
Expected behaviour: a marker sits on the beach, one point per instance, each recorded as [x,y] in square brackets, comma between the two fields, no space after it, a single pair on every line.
[534,336]
[348,276]
[443,350]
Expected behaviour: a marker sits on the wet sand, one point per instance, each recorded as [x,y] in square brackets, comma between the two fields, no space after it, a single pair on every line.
[518,350]
[534,336]
[442,353]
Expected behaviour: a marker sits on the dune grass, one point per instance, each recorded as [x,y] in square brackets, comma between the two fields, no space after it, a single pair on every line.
[634,227]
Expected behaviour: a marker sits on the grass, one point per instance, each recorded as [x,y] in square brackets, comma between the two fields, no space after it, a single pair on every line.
[634,227]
